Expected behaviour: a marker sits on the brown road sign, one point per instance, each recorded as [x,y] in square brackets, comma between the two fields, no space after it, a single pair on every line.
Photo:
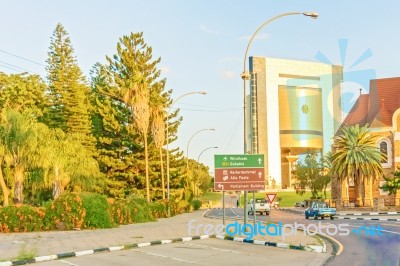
[253,186]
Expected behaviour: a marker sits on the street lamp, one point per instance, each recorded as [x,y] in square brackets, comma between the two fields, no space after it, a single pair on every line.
[198,158]
[187,150]
[169,112]
[246,76]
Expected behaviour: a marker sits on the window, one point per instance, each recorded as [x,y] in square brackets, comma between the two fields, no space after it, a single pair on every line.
[383,146]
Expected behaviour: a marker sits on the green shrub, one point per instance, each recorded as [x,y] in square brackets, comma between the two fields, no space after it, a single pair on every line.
[120,211]
[196,204]
[158,210]
[140,210]
[65,213]
[98,211]
[21,219]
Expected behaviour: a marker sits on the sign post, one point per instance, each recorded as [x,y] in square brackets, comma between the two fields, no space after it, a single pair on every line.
[239,172]
[271,198]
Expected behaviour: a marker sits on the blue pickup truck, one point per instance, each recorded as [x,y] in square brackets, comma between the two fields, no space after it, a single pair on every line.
[320,209]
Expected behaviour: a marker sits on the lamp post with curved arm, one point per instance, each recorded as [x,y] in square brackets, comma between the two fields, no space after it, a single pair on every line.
[198,158]
[246,76]
[167,137]
[187,150]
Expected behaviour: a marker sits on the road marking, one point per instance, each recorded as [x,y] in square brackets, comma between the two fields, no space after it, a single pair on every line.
[165,257]
[69,263]
[220,249]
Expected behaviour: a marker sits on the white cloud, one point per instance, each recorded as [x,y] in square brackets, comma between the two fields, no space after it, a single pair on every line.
[261,36]
[227,74]
[205,29]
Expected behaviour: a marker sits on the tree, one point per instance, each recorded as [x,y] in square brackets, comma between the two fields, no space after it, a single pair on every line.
[392,184]
[356,155]
[131,78]
[20,92]
[158,132]
[20,142]
[310,174]
[69,106]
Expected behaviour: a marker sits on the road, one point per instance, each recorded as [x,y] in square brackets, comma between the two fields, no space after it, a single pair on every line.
[358,249]
[198,252]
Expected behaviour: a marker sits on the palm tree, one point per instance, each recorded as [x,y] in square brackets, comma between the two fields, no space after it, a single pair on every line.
[157,129]
[356,156]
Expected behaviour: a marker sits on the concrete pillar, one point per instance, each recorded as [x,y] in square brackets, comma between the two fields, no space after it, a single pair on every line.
[368,201]
[344,192]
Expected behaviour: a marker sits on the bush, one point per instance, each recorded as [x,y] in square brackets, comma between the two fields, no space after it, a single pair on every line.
[158,210]
[21,219]
[98,211]
[65,213]
[140,210]
[196,204]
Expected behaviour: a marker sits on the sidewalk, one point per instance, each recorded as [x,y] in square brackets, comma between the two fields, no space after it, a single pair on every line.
[56,242]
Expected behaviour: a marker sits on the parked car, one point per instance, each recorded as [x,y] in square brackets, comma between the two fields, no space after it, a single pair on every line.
[261,206]
[300,204]
[320,209]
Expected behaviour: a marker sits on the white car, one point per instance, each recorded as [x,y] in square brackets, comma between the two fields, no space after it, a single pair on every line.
[261,206]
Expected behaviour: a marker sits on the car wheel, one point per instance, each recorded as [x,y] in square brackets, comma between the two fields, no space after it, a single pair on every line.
[322,217]
[306,217]
[332,217]
[315,217]
[266,213]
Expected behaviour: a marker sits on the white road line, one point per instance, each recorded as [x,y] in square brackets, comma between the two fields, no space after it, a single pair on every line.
[220,249]
[69,263]
[165,257]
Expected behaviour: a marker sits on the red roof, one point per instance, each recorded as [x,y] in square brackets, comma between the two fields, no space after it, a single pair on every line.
[377,107]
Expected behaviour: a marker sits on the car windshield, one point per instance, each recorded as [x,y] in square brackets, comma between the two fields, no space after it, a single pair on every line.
[321,205]
[261,201]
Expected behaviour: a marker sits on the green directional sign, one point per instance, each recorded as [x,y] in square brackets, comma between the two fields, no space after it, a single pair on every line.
[239,161]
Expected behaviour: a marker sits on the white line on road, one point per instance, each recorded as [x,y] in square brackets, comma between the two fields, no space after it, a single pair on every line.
[69,263]
[165,257]
[220,249]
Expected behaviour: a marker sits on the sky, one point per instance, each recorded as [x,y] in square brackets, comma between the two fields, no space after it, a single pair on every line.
[202,46]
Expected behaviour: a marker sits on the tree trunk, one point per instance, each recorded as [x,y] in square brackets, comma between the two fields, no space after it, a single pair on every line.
[147,167]
[58,188]
[162,174]
[358,184]
[18,184]
[4,188]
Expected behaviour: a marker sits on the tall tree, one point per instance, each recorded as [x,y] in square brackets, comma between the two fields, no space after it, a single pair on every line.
[69,105]
[356,155]
[132,78]
[158,132]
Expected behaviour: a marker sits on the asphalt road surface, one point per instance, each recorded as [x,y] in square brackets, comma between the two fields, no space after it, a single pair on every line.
[360,247]
[198,252]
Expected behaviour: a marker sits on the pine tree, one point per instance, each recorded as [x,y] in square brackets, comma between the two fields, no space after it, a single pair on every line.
[130,75]
[69,106]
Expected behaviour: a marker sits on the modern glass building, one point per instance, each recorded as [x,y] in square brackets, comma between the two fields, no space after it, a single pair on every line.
[294,108]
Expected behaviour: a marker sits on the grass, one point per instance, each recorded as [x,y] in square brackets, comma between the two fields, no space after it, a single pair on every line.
[288,198]
[26,253]
[214,197]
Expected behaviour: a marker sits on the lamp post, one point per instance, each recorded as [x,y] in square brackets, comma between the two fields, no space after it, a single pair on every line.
[167,137]
[187,149]
[198,158]
[246,76]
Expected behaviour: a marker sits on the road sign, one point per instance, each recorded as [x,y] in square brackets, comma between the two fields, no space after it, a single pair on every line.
[271,197]
[235,172]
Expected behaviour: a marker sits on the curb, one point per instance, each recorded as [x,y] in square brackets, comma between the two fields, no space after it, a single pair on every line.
[310,248]
[98,250]
[369,213]
[369,219]
[317,249]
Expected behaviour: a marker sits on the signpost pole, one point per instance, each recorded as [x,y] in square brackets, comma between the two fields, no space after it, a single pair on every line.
[245,207]
[223,207]
[254,208]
